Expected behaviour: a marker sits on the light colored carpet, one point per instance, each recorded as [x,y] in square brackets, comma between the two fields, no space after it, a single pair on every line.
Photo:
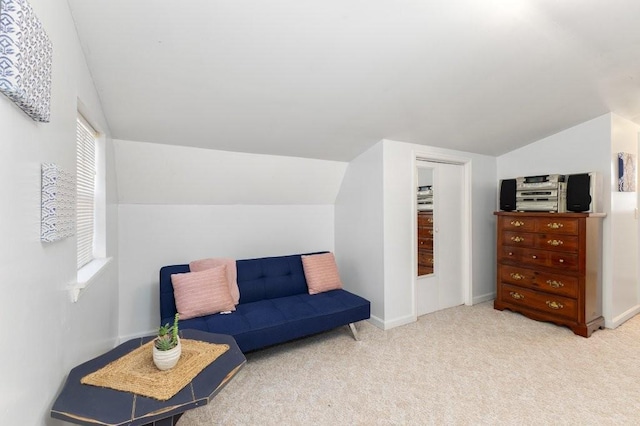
[464,366]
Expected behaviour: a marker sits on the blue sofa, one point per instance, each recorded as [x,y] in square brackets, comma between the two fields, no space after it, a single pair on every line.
[274,307]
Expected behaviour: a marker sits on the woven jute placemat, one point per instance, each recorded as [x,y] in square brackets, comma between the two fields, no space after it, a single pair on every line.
[135,372]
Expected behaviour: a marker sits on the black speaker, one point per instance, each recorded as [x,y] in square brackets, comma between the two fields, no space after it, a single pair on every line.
[578,196]
[508,195]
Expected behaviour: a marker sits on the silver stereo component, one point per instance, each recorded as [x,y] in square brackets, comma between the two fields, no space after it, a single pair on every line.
[425,198]
[546,193]
[539,182]
[532,194]
[552,200]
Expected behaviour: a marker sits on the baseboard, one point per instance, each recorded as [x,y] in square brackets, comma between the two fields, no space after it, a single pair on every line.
[484,298]
[620,319]
[398,322]
[375,321]
[128,337]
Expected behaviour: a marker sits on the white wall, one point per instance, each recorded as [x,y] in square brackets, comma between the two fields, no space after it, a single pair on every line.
[359,230]
[399,192]
[179,204]
[151,173]
[624,293]
[48,333]
[582,148]
[152,236]
[375,226]
[591,146]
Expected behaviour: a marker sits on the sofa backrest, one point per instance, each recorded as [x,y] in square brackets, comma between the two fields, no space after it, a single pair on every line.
[167,301]
[270,278]
[258,279]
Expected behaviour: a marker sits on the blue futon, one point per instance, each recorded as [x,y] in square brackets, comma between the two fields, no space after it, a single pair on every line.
[275,305]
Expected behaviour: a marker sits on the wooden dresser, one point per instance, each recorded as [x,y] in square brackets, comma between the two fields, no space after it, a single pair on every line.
[425,242]
[549,268]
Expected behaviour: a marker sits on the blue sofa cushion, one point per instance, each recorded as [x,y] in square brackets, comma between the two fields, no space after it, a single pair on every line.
[167,299]
[270,278]
[267,322]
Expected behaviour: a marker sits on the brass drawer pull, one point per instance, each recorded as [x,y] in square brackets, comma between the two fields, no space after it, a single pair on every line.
[421,242]
[516,295]
[431,261]
[555,243]
[430,220]
[561,260]
[517,239]
[534,256]
[555,284]
[517,276]
[510,253]
[430,231]
[554,225]
[554,305]
[517,223]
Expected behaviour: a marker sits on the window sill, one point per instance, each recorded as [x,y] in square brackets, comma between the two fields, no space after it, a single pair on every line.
[88,274]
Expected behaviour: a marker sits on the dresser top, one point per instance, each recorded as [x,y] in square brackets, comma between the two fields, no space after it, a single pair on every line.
[549,214]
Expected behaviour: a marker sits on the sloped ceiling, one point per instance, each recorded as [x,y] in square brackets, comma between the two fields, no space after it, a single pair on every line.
[328,79]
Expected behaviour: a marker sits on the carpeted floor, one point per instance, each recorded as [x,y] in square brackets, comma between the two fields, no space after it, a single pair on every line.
[462,366]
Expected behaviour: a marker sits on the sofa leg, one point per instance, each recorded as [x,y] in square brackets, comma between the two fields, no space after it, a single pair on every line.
[352,326]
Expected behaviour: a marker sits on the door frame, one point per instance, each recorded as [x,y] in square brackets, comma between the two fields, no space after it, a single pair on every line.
[466,255]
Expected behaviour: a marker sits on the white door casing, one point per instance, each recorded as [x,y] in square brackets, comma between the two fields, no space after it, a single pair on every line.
[450,284]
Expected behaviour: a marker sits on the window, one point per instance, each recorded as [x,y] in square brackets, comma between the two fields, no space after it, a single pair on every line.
[86,137]
[90,205]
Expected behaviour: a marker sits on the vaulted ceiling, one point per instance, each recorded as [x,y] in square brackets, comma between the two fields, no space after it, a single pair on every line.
[329,78]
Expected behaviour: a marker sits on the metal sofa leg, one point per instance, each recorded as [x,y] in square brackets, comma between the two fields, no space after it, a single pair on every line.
[352,326]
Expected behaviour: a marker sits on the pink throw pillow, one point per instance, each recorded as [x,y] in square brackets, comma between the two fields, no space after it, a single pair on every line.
[202,293]
[321,273]
[232,272]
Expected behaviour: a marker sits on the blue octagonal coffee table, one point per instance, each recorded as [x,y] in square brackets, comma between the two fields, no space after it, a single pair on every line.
[91,405]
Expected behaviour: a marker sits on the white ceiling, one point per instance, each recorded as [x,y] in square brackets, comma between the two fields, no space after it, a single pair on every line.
[329,78]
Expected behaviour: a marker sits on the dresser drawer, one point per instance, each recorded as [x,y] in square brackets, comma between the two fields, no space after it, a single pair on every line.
[545,241]
[558,225]
[540,301]
[562,285]
[510,254]
[425,242]
[425,220]
[519,239]
[524,224]
[424,232]
[558,242]
[425,270]
[566,261]
[535,257]
[425,257]
[567,226]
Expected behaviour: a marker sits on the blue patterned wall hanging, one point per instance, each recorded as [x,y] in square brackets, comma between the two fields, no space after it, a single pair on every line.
[25,59]
[58,203]
[626,172]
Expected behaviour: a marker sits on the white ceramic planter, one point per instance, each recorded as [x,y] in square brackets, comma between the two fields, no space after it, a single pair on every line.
[166,360]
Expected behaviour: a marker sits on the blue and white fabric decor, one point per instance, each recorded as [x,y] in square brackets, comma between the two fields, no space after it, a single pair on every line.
[25,59]
[58,203]
[626,172]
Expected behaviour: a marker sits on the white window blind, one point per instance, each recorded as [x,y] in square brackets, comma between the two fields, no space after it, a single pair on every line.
[86,176]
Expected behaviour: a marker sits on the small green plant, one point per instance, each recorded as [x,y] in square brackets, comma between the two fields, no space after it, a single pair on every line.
[167,335]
